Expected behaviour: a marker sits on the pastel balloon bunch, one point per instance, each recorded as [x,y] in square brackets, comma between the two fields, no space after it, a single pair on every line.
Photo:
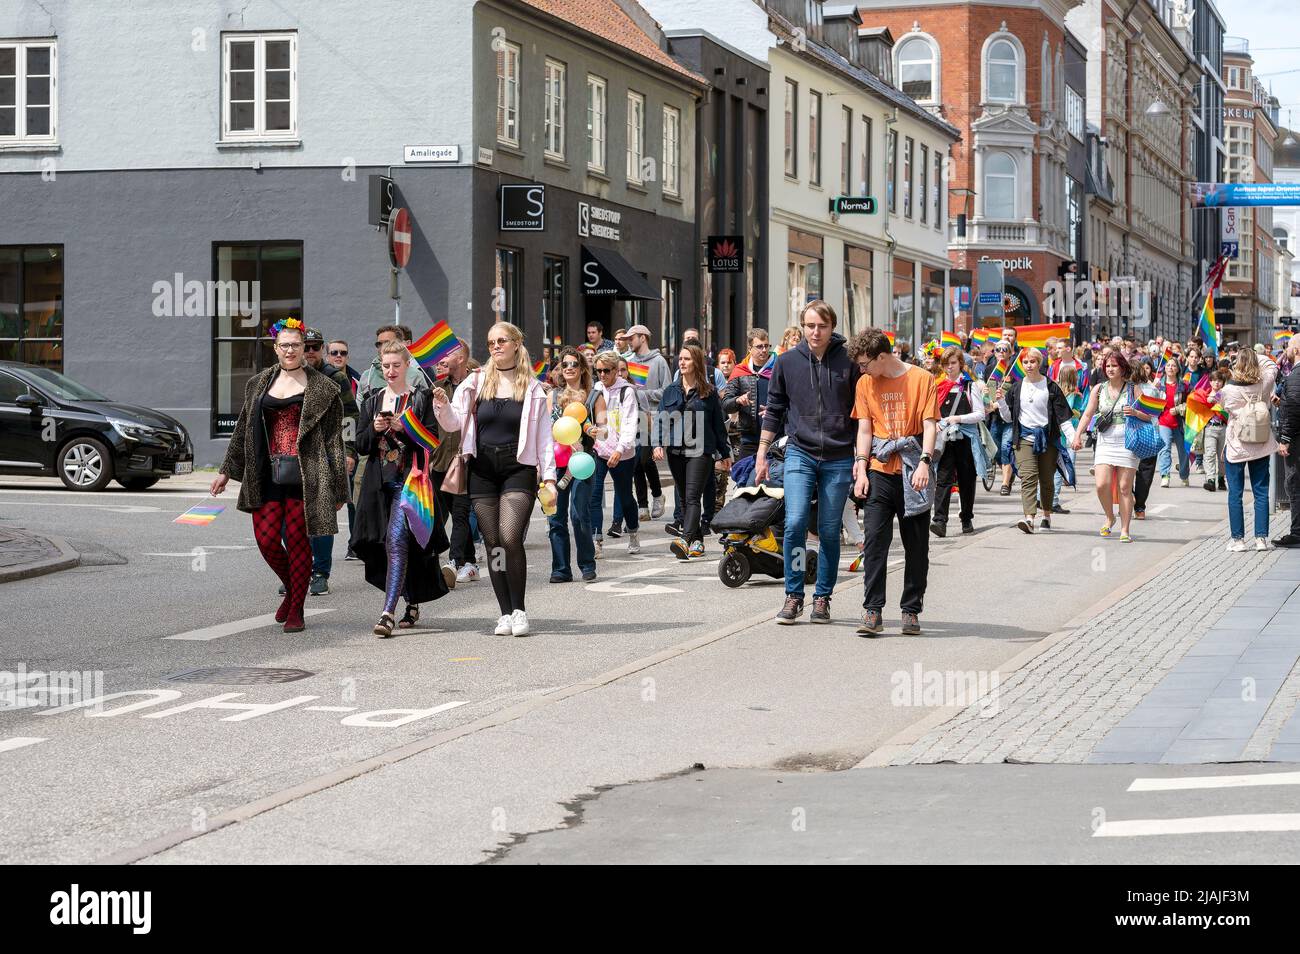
[567,432]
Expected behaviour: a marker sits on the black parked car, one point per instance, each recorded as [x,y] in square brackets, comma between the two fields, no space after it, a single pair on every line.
[50,424]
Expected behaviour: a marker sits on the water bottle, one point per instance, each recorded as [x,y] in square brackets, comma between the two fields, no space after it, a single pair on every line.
[546,497]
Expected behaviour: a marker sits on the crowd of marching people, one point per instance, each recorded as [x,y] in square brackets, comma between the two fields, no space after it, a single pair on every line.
[432,453]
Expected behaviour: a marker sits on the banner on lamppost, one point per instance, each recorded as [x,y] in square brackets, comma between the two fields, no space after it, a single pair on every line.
[1212,195]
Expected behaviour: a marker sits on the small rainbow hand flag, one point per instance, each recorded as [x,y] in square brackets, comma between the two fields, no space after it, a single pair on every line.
[434,345]
[999,372]
[1017,371]
[1151,403]
[1282,337]
[200,515]
[418,433]
[638,374]
[949,339]
[540,369]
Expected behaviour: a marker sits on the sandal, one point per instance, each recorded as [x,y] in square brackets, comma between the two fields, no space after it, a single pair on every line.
[410,617]
[384,628]
[1105,531]
[1125,538]
[1005,491]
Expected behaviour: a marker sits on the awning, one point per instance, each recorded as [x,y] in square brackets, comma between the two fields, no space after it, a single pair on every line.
[607,274]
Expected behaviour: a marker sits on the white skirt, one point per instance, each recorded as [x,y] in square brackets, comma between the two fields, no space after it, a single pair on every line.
[1110,448]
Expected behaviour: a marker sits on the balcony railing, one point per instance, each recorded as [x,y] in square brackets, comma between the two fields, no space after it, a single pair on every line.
[1007,234]
[1236,44]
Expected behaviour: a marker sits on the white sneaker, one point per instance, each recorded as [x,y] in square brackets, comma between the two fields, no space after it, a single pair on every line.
[505,626]
[633,544]
[1261,543]
[1164,481]
[467,574]
[1187,482]
[657,508]
[518,623]
[644,514]
[1237,546]
[1027,524]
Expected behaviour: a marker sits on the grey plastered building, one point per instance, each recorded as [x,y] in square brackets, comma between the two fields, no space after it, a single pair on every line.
[234,142]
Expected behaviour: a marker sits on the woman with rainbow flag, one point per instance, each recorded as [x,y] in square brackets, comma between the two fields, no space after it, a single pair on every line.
[396,534]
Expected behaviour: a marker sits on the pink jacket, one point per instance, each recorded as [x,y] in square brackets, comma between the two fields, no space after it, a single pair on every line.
[1233,397]
[622,412]
[536,447]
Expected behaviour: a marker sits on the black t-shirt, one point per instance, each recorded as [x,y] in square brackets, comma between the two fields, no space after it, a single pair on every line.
[498,421]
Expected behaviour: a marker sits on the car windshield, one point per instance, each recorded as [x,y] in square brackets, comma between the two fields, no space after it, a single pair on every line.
[61,386]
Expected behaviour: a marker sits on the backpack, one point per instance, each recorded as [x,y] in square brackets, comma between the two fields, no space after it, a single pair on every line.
[1253,424]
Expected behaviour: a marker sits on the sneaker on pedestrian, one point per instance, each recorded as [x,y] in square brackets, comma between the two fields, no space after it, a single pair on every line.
[705,528]
[1164,481]
[1057,508]
[1209,485]
[791,611]
[673,529]
[873,624]
[282,591]
[588,575]
[319,586]
[600,549]
[1045,524]
[680,549]
[519,623]
[697,549]
[644,514]
[657,507]
[1261,543]
[821,611]
[1237,546]
[504,626]
[967,526]
[467,574]
[561,578]
[633,543]
[350,555]
[1288,540]
[449,575]
[615,530]
[1187,482]
[938,529]
[911,624]
[1027,524]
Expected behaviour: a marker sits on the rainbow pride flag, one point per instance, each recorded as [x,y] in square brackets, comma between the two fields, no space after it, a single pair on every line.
[979,336]
[1198,413]
[949,339]
[434,345]
[638,374]
[200,515]
[1035,336]
[418,433]
[1208,327]
[999,372]
[417,501]
[890,336]
[1151,403]
[540,369]
[1017,372]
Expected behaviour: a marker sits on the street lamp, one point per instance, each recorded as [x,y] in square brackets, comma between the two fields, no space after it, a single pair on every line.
[1157,108]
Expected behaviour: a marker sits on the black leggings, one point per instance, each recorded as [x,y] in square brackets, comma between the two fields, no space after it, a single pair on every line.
[646,471]
[691,475]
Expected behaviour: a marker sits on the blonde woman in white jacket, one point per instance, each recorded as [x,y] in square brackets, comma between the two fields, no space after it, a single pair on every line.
[616,448]
[1246,399]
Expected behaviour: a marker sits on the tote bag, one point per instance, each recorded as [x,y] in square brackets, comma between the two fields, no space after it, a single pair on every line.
[1140,437]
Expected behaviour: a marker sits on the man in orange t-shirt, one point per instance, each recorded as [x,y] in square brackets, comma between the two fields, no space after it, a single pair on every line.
[893,401]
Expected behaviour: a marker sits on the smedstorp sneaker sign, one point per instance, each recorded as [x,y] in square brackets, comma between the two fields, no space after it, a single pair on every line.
[75,907]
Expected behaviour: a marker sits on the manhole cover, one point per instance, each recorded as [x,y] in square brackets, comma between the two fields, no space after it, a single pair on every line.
[239,675]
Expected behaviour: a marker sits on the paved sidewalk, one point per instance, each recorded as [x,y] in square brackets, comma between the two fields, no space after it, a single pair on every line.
[1197,664]
[24,554]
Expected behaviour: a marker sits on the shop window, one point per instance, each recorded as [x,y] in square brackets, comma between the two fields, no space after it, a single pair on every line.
[269,278]
[507,286]
[902,301]
[28,86]
[31,304]
[555,290]
[670,315]
[259,86]
[856,310]
[804,259]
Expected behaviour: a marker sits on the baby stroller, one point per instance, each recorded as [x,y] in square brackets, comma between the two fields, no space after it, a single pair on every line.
[750,528]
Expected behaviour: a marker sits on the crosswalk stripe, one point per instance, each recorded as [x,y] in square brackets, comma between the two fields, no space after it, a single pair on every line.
[1209,824]
[238,626]
[18,742]
[1213,781]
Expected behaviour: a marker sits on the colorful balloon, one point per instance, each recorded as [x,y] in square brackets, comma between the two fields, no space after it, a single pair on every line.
[576,410]
[566,431]
[562,455]
[582,465]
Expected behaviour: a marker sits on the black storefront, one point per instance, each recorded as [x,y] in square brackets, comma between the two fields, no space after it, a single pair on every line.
[580,258]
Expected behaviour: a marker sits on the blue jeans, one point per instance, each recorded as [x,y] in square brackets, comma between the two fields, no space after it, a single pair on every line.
[831,480]
[1000,431]
[1164,460]
[322,555]
[572,504]
[625,511]
[1259,487]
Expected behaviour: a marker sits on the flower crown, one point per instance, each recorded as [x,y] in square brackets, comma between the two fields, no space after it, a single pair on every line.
[292,324]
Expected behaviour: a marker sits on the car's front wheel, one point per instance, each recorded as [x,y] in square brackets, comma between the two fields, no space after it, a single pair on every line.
[138,483]
[85,464]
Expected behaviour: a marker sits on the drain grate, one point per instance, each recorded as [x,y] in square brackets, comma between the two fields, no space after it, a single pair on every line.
[239,675]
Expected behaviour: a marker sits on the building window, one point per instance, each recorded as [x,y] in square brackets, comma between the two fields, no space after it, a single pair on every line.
[670,313]
[672,150]
[999,186]
[1002,72]
[804,256]
[908,147]
[1241,152]
[1074,113]
[916,70]
[902,300]
[923,197]
[791,129]
[815,16]
[635,136]
[240,347]
[554,125]
[937,198]
[507,278]
[1074,213]
[891,172]
[846,152]
[28,87]
[595,124]
[857,288]
[814,137]
[932,303]
[260,94]
[31,304]
[866,155]
[508,94]
[555,290]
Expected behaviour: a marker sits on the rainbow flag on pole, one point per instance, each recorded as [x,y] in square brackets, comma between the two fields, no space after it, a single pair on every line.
[999,372]
[1207,326]
[434,345]
[1035,336]
[417,500]
[1017,372]
[1151,403]
[638,374]
[418,433]
[540,369]
[200,515]
[949,339]
[1198,412]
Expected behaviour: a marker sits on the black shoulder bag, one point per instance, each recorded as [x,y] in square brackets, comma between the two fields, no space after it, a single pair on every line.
[285,468]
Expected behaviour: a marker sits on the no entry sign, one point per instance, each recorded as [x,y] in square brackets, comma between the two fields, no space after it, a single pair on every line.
[399,238]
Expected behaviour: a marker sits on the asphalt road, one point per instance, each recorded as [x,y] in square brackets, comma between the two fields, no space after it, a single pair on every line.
[447,742]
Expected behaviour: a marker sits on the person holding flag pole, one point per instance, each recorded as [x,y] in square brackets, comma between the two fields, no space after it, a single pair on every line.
[1039,416]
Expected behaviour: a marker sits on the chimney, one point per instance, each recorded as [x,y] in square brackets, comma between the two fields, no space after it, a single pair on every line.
[876,52]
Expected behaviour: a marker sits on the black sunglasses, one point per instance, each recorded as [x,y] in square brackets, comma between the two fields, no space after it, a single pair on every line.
[313,347]
[338,354]
[607,370]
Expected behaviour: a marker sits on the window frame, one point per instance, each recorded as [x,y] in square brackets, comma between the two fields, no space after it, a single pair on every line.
[909,170]
[595,82]
[1014,176]
[554,108]
[939,190]
[1017,97]
[924,193]
[672,164]
[891,170]
[814,138]
[791,118]
[514,293]
[21,137]
[507,113]
[1075,108]
[20,303]
[867,132]
[554,267]
[634,164]
[846,151]
[259,132]
[932,60]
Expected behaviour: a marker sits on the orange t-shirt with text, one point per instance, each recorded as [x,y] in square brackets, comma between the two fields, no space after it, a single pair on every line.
[897,407]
